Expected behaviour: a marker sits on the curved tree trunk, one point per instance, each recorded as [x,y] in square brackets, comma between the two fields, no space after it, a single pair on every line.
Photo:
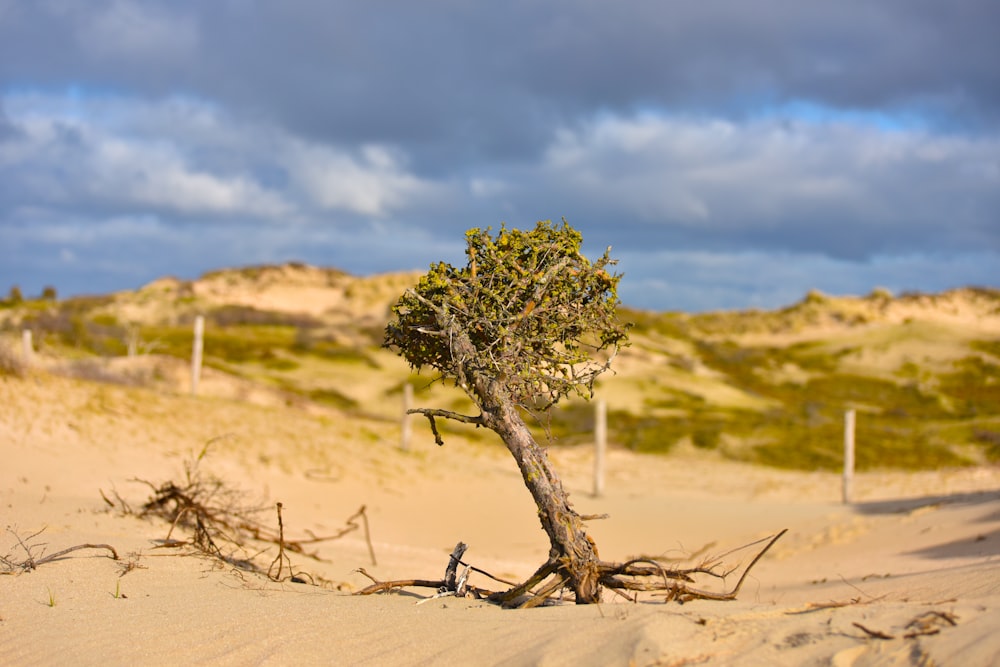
[572,552]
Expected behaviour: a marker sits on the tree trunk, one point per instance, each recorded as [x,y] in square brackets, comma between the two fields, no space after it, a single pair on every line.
[571,549]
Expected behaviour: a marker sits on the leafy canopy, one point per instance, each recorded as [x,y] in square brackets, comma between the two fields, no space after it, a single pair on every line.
[533,308]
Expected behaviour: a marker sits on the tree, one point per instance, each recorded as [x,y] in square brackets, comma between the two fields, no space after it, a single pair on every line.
[517,329]
[15,296]
[528,321]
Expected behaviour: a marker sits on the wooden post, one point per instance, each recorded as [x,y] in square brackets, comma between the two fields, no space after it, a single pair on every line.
[848,455]
[196,353]
[28,348]
[600,444]
[405,427]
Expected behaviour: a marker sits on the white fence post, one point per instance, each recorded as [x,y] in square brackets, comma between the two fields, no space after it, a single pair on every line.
[405,427]
[848,455]
[196,353]
[600,444]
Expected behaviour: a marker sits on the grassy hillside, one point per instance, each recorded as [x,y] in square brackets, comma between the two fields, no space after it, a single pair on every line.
[921,371]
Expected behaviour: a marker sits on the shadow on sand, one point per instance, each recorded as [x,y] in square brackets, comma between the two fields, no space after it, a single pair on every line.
[981,545]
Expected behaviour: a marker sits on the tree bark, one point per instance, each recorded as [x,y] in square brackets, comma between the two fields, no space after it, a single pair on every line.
[571,548]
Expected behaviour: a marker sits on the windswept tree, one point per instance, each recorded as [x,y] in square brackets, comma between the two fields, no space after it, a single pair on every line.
[520,327]
[528,321]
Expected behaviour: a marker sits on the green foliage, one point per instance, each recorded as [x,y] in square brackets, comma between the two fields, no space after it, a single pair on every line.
[333,398]
[988,346]
[72,324]
[240,315]
[671,325]
[282,364]
[533,307]
[15,296]
[879,445]
[328,348]
[989,440]
[974,386]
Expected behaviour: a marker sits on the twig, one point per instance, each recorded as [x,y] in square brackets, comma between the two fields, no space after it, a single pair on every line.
[431,413]
[686,593]
[30,562]
[819,606]
[280,560]
[450,585]
[58,554]
[876,634]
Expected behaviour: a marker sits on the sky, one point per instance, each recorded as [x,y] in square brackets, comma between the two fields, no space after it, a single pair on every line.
[733,153]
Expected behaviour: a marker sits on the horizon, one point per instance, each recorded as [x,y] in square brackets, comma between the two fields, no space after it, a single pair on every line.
[805,296]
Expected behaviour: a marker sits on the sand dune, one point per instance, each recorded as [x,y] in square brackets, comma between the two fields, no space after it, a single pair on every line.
[910,574]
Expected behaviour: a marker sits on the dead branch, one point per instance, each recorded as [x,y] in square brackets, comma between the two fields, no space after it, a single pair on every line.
[280,560]
[297,546]
[683,593]
[930,623]
[507,597]
[543,595]
[451,571]
[874,634]
[385,586]
[31,561]
[451,584]
[431,413]
[820,606]
[59,554]
[222,524]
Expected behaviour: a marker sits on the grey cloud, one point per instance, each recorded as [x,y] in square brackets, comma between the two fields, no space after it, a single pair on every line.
[371,135]
[849,191]
[489,79]
[190,159]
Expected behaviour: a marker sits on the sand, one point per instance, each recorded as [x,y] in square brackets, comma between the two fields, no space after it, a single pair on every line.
[907,574]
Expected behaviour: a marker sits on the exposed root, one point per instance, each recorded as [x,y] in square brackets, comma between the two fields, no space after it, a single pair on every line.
[552,578]
[222,525]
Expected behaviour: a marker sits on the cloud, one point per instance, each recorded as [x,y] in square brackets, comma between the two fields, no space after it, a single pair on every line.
[121,29]
[727,137]
[188,158]
[842,188]
[372,183]
[67,161]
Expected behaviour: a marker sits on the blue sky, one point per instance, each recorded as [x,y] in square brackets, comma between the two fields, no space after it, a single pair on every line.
[734,153]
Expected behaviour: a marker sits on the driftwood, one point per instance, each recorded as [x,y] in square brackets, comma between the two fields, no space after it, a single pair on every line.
[637,575]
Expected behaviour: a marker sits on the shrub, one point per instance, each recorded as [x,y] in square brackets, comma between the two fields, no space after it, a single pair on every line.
[15,296]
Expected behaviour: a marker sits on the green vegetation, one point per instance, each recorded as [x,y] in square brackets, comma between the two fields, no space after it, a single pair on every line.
[926,395]
[14,297]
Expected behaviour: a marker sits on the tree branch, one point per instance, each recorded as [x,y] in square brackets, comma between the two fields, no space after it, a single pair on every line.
[431,413]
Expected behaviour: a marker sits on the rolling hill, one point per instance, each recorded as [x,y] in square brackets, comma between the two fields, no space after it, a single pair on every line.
[921,371]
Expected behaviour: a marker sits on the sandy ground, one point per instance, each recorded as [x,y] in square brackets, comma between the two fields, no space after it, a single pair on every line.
[909,574]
